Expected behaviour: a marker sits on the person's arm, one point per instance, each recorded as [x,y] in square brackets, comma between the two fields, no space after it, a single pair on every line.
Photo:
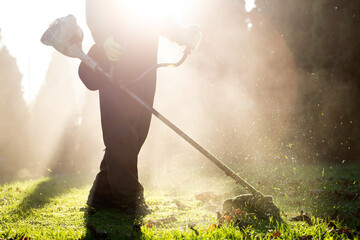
[101,19]
[100,26]
[182,35]
[97,19]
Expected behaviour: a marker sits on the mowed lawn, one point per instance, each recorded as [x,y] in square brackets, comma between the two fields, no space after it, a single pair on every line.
[317,202]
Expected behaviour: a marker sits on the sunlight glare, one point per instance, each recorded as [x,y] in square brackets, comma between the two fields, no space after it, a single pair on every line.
[21,34]
[249,5]
[174,8]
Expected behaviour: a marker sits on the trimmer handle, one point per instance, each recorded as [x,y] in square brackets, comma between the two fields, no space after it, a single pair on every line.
[187,51]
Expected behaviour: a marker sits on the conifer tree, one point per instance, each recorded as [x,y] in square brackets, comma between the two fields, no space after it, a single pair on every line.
[14,117]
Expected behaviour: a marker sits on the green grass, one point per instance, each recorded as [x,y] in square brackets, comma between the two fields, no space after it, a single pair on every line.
[54,208]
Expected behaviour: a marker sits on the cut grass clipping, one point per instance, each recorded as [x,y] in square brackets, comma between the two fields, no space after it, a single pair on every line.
[316,202]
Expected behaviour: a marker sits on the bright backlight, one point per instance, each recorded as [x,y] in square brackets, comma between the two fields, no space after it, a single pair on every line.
[174,8]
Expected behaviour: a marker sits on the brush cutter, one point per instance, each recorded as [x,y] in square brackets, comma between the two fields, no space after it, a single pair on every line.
[66,37]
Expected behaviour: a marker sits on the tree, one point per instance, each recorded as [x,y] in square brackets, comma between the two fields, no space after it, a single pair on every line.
[325,40]
[14,120]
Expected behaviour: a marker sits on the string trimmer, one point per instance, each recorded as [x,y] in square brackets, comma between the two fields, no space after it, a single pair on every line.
[66,36]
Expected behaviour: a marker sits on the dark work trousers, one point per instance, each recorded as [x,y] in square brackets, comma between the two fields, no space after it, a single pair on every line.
[125,125]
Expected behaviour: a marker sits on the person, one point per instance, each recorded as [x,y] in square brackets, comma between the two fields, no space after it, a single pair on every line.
[126,43]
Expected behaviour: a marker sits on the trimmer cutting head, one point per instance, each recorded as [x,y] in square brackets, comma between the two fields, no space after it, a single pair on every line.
[261,206]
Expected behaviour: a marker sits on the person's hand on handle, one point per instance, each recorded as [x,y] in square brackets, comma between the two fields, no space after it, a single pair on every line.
[113,50]
[191,36]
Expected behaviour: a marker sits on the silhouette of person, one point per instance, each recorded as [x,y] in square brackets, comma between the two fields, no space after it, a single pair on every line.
[126,42]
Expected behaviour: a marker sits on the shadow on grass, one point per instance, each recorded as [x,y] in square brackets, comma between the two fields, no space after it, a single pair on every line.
[112,224]
[46,190]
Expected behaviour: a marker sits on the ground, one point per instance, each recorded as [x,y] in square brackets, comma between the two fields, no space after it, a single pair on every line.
[316,201]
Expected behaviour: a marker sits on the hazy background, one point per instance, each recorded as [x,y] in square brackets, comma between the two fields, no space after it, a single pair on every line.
[277,84]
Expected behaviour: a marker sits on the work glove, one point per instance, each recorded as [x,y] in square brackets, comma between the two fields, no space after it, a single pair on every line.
[191,36]
[113,50]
